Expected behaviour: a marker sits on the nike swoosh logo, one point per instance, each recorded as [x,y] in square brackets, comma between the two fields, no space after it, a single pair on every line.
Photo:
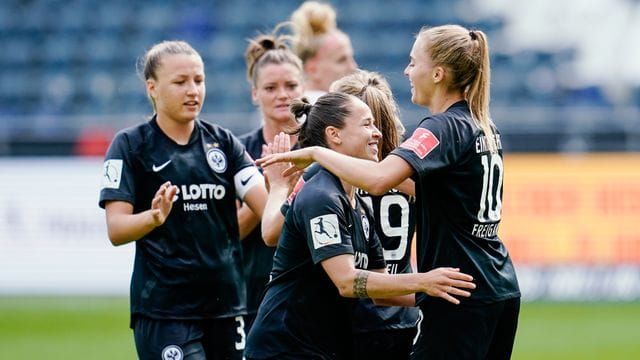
[158,168]
[245,181]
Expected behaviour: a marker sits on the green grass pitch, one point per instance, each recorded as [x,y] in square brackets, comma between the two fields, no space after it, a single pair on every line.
[97,328]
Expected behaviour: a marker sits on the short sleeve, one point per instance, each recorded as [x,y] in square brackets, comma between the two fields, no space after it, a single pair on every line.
[324,222]
[118,174]
[430,147]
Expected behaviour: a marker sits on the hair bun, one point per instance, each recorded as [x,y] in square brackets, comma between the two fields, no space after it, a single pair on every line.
[300,107]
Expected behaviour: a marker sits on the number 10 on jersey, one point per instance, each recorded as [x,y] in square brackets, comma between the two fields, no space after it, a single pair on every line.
[490,209]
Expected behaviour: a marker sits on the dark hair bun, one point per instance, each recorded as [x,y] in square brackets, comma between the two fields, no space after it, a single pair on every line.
[300,107]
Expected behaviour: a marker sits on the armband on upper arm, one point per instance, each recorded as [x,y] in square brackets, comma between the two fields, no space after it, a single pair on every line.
[247,178]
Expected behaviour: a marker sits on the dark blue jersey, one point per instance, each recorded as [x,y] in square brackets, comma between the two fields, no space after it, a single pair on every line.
[258,257]
[303,313]
[395,223]
[190,267]
[459,202]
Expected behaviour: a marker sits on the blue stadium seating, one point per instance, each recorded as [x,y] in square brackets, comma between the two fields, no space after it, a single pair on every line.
[70,58]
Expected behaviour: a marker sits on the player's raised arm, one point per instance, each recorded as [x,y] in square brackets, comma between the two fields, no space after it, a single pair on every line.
[124,226]
[374,177]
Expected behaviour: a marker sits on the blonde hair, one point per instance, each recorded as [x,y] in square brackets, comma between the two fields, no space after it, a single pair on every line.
[374,90]
[465,54]
[312,22]
[269,49]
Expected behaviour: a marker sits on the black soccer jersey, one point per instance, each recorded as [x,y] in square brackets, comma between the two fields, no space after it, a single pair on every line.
[258,257]
[395,222]
[459,202]
[190,267]
[303,313]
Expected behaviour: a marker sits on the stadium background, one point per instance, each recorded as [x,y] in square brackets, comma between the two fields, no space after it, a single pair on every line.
[565,94]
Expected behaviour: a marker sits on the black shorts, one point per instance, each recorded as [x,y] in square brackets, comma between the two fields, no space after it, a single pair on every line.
[384,344]
[214,339]
[484,331]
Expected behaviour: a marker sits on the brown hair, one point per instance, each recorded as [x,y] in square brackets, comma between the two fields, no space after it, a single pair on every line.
[465,54]
[374,90]
[331,109]
[268,49]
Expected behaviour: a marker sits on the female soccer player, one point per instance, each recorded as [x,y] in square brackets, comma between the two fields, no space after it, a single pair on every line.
[170,185]
[384,332]
[276,77]
[325,50]
[455,157]
[329,252]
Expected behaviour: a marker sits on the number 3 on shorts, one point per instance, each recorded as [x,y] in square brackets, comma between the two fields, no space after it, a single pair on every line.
[240,330]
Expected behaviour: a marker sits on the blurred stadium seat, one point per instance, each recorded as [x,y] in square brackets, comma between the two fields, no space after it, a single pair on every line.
[63,60]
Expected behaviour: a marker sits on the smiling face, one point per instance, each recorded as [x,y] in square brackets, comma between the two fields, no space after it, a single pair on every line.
[276,85]
[420,72]
[359,137]
[178,89]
